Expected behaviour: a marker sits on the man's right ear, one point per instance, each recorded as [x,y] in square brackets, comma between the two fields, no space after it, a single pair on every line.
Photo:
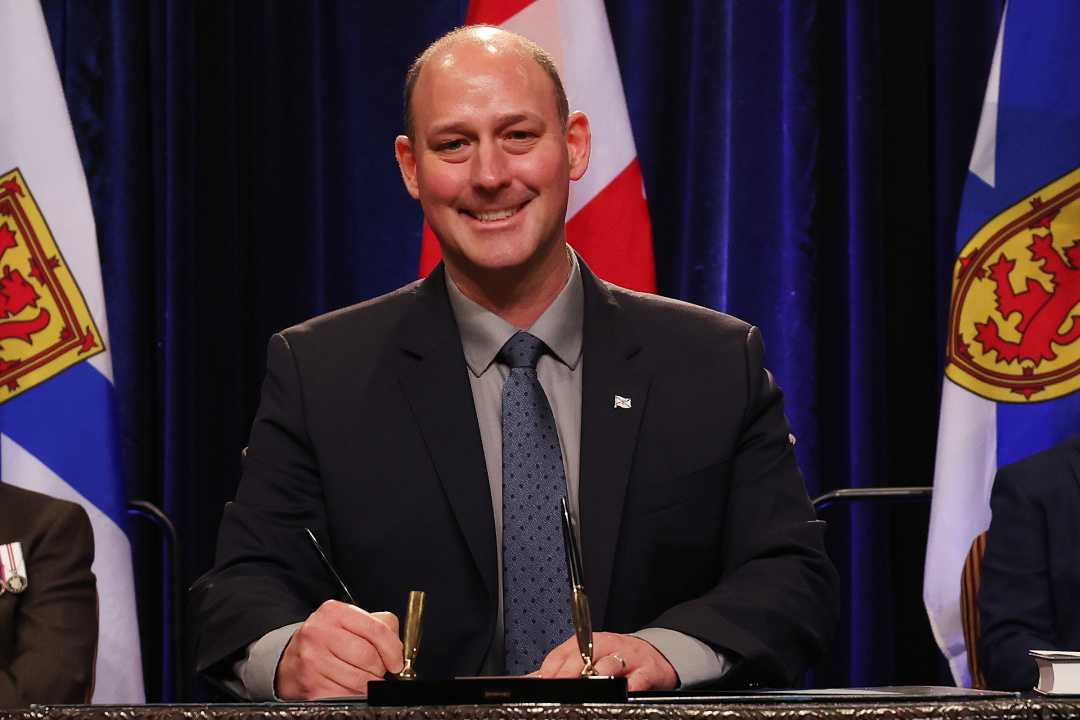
[406,161]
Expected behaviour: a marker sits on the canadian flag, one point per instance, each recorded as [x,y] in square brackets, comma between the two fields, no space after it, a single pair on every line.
[607,220]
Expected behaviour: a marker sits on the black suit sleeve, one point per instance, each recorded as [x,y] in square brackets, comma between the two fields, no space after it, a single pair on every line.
[775,606]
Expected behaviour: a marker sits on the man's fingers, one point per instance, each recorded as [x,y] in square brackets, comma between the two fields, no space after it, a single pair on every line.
[334,677]
[349,658]
[343,678]
[643,666]
[390,620]
[573,666]
[380,630]
[556,659]
[637,678]
[611,666]
[337,650]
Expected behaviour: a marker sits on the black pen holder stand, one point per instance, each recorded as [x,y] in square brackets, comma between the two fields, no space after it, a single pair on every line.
[496,690]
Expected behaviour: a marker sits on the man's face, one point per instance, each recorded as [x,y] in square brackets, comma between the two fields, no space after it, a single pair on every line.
[491,162]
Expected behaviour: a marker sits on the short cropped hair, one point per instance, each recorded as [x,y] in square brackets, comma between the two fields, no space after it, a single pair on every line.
[464,34]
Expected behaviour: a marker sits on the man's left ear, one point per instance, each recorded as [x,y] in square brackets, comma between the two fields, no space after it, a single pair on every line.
[579,143]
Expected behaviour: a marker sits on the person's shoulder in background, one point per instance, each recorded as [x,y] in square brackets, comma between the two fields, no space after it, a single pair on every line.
[1030,573]
[49,628]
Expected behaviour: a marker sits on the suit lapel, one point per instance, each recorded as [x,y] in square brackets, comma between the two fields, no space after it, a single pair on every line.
[438,390]
[608,433]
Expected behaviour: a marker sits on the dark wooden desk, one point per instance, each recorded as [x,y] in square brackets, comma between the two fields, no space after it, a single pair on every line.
[1008,708]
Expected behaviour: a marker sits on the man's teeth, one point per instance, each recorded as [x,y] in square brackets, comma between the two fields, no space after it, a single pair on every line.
[493,215]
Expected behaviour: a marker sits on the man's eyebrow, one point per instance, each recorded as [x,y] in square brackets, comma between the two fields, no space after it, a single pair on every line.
[464,127]
[459,127]
[515,118]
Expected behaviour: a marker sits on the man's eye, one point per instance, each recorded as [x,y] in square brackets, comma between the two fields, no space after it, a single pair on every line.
[451,145]
[520,135]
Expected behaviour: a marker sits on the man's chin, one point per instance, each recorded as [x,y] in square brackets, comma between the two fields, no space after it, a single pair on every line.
[515,254]
[489,267]
[493,255]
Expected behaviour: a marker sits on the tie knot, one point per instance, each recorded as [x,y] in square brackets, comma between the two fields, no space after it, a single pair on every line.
[522,350]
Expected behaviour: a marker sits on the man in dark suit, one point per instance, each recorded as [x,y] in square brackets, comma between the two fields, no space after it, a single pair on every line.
[380,429]
[48,600]
[1029,596]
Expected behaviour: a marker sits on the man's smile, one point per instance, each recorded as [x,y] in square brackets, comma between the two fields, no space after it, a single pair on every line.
[486,216]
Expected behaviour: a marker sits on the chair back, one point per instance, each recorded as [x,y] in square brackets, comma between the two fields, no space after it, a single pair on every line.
[877,540]
[161,597]
[969,608]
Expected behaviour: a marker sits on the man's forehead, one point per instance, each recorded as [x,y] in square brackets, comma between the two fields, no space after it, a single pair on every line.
[478,55]
[484,68]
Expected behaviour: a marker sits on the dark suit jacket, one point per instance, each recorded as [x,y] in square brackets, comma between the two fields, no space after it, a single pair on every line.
[694,515]
[48,633]
[1029,598]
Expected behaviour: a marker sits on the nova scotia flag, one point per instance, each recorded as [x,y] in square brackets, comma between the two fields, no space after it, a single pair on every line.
[1013,356]
[58,431]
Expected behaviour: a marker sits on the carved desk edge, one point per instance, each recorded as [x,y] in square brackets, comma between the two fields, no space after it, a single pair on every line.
[1035,708]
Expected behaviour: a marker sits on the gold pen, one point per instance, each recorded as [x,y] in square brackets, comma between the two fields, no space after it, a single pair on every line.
[579,601]
[411,643]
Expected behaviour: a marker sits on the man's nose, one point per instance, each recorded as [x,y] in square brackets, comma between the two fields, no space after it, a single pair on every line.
[491,169]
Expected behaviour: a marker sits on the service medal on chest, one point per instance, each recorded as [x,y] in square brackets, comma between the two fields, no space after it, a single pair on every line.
[12,568]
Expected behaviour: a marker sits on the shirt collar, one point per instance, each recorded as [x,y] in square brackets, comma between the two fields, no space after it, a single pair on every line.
[483,333]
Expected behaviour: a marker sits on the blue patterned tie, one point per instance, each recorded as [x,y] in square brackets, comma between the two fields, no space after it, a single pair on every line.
[536,588]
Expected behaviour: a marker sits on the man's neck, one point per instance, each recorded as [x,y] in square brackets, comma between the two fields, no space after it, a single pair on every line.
[519,295]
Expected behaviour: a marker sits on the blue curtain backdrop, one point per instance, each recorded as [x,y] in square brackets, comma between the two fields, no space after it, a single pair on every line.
[803,161]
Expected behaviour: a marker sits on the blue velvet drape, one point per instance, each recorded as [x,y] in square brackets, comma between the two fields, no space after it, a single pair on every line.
[803,161]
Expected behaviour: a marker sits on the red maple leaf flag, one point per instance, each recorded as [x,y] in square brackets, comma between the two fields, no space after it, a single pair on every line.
[608,219]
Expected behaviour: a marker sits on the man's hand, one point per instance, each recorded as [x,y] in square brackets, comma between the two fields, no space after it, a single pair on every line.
[645,668]
[337,651]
